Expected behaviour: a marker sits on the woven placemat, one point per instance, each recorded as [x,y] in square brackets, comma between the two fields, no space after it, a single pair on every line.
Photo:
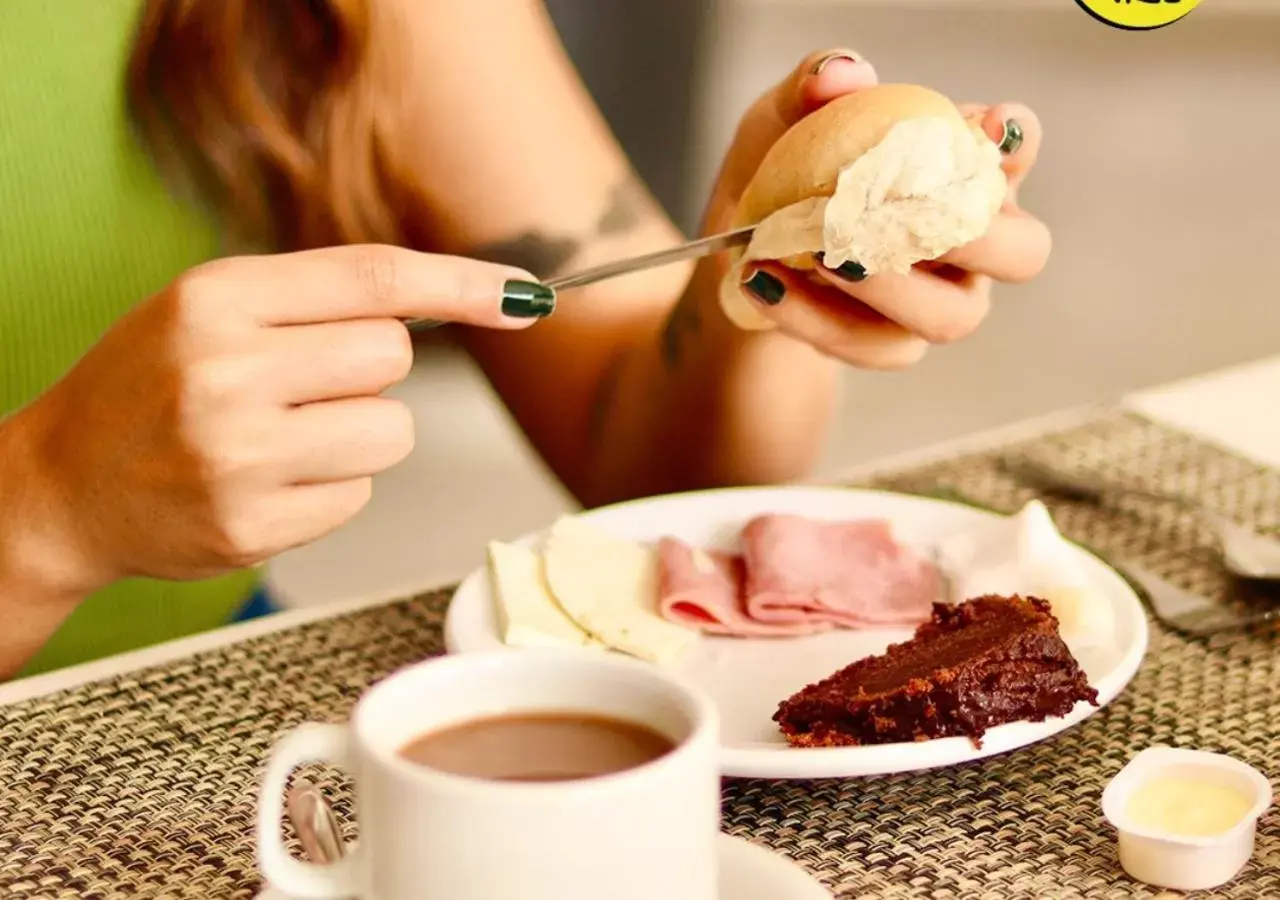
[144,786]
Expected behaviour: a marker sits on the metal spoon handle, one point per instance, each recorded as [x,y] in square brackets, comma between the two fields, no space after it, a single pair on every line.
[313,820]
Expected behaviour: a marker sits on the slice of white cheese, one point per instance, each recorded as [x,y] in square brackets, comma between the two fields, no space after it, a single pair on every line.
[610,588]
[528,615]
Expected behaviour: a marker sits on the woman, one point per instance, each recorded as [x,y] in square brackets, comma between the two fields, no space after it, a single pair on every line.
[180,411]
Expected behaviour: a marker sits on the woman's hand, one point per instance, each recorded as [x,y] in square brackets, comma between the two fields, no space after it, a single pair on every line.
[887,321]
[237,413]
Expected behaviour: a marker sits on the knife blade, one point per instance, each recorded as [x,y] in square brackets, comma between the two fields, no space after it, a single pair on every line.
[706,246]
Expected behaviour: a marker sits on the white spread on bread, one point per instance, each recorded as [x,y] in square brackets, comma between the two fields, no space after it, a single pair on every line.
[926,188]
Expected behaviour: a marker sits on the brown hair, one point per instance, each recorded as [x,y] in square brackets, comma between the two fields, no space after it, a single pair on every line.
[284,111]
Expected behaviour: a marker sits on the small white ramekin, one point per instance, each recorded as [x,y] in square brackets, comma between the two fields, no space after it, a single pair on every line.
[1175,861]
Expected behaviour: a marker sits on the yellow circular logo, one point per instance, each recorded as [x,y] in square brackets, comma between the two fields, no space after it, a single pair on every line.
[1138,15]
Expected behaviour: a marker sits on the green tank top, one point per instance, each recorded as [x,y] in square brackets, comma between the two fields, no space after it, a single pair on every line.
[87,229]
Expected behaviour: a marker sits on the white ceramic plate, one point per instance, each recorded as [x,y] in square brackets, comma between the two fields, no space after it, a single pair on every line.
[749,677]
[747,872]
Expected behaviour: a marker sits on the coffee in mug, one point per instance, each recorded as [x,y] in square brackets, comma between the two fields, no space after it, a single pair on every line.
[549,746]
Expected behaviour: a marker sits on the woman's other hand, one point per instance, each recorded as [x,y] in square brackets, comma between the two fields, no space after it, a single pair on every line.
[238,413]
[887,321]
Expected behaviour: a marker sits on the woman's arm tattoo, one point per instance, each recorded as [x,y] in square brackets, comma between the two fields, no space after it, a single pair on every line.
[547,255]
[533,251]
[628,203]
[684,320]
[604,396]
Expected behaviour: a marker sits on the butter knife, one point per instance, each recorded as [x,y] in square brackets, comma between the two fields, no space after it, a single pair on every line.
[706,246]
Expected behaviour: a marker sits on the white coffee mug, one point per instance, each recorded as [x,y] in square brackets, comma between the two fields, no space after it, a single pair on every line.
[646,833]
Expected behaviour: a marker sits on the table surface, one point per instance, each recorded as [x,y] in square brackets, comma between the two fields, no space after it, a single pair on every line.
[1223,407]
[143,783]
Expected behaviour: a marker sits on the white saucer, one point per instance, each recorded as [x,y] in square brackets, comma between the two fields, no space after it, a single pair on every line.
[747,872]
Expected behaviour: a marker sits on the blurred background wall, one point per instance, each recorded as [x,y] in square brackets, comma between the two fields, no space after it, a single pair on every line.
[639,59]
[1159,179]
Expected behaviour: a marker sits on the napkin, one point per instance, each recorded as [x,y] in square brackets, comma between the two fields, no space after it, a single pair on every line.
[1026,554]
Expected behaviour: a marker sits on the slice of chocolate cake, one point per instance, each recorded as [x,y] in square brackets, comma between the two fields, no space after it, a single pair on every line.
[985,662]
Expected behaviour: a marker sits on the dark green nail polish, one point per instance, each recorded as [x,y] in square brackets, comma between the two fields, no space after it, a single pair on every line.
[527,300]
[848,270]
[765,288]
[1012,139]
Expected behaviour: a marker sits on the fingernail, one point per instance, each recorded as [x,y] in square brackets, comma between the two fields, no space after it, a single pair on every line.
[1013,137]
[831,57]
[765,288]
[848,270]
[527,300]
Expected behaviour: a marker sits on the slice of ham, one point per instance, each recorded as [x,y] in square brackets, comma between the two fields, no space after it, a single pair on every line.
[851,573]
[704,589]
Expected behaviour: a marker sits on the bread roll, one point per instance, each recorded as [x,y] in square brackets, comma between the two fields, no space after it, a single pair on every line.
[887,177]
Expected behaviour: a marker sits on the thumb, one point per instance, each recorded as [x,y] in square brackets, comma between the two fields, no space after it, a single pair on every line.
[820,78]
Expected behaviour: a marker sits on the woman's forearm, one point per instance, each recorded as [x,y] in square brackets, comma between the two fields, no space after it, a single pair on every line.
[37,590]
[700,403]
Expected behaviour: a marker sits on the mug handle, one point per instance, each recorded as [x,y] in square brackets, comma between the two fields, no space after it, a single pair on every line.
[305,744]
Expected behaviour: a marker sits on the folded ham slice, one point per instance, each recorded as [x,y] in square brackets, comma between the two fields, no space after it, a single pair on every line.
[704,589]
[851,573]
[797,576]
